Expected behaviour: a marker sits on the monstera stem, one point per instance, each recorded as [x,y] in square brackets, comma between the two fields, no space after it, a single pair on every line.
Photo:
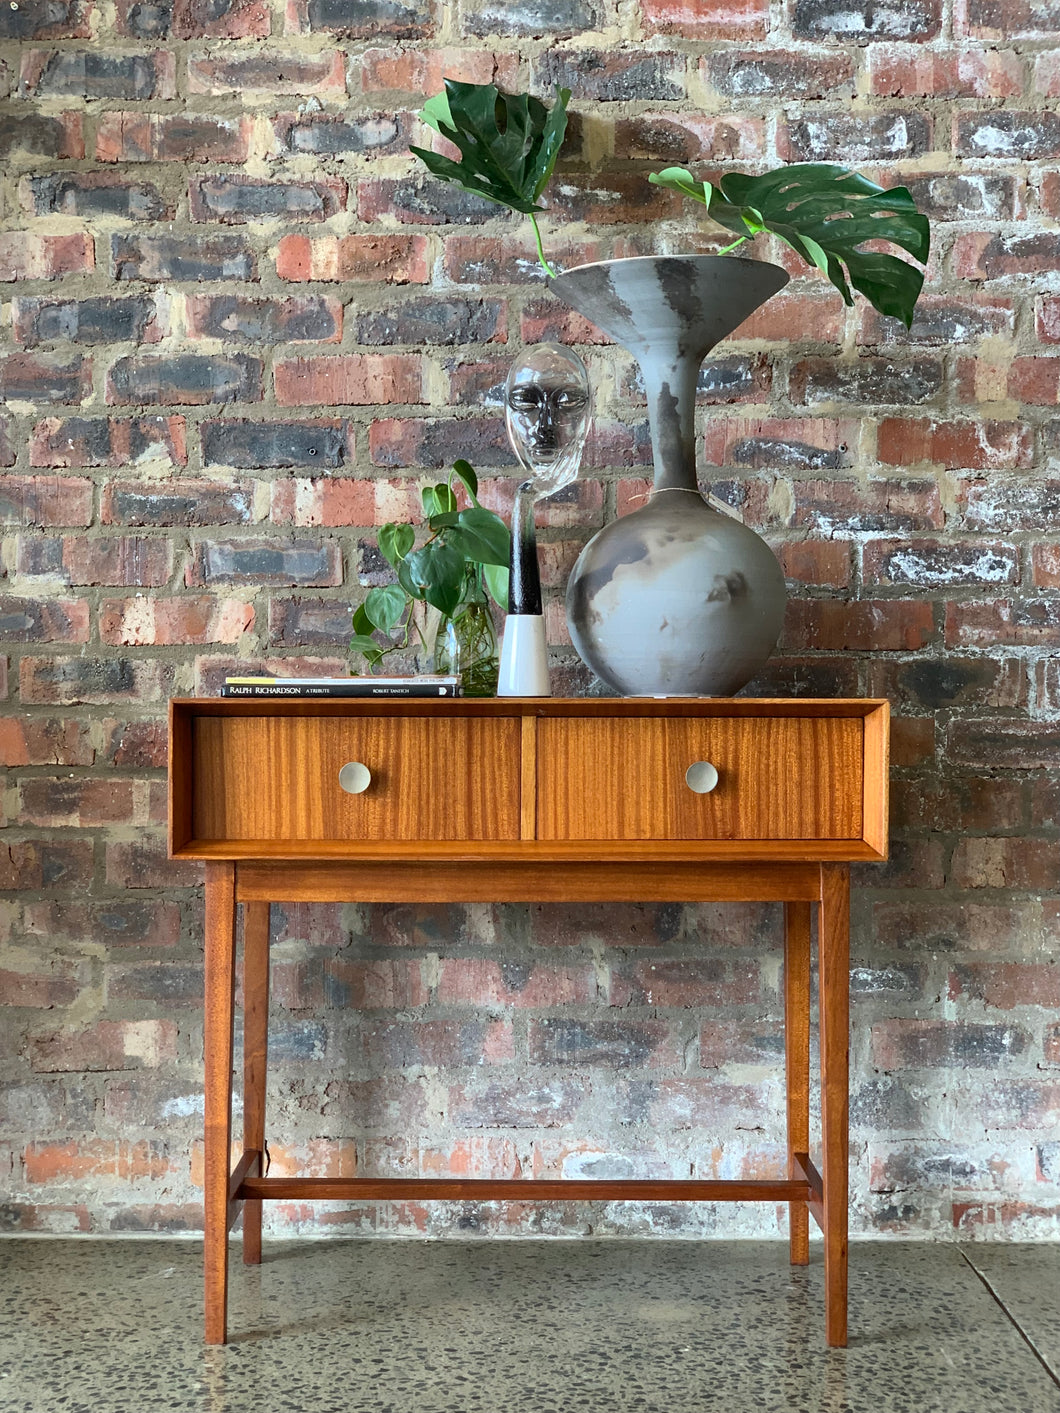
[540,248]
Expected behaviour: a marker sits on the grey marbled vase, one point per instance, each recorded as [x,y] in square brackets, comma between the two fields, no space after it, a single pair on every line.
[675,598]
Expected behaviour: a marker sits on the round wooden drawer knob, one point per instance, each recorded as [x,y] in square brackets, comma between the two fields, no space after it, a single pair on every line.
[355,777]
[701,777]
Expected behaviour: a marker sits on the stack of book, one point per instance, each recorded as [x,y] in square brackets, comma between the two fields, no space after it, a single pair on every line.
[423,686]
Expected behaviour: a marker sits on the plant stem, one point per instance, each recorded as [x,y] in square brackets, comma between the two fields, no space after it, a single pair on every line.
[734,245]
[541,249]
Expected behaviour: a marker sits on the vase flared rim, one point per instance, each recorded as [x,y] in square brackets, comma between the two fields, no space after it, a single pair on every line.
[655,259]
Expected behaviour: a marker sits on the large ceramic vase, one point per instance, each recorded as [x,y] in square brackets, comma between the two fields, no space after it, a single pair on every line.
[674,599]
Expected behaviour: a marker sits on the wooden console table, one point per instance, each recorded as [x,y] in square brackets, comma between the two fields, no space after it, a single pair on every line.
[589,800]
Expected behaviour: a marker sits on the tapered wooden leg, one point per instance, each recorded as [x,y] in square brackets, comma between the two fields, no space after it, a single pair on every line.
[833,947]
[797,1062]
[220,1001]
[255,1053]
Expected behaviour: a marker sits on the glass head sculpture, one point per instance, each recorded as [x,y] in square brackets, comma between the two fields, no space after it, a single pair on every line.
[547,406]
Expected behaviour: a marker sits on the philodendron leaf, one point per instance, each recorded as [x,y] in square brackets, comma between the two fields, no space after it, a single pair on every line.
[395,542]
[437,572]
[825,213]
[508,143]
[385,606]
[465,474]
[496,577]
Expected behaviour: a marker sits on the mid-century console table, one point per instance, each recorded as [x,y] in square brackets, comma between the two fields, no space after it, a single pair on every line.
[537,800]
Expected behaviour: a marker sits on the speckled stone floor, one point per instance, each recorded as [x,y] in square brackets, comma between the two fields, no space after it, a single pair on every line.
[549,1327]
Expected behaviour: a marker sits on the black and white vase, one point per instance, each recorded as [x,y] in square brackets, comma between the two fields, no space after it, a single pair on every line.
[674,599]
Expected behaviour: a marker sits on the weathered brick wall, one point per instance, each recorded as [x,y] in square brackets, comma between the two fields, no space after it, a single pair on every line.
[239,329]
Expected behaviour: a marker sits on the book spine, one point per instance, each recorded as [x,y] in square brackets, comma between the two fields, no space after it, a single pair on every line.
[353,690]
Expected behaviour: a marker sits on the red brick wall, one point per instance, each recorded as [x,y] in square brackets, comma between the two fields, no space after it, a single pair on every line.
[239,329]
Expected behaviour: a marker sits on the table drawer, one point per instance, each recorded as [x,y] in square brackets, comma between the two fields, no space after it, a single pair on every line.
[780,777]
[277,778]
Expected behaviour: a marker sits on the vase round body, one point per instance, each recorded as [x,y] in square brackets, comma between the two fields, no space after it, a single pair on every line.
[674,599]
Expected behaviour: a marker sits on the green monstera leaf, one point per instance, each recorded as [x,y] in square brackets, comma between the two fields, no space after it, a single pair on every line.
[825,213]
[508,144]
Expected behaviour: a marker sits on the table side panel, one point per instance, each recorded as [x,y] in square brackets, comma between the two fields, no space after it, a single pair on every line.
[433,778]
[624,778]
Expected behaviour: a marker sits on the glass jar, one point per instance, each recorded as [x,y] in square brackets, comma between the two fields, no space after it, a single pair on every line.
[466,641]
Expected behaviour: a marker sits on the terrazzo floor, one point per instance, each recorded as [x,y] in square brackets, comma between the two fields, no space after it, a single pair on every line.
[527,1327]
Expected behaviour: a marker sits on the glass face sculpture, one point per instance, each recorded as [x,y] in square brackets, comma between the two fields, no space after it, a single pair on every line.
[547,406]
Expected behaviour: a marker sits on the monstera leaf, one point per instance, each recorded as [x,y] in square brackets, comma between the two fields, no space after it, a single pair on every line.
[825,213]
[508,144]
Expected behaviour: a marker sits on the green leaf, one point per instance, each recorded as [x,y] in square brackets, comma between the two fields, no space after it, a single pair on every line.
[489,531]
[437,570]
[825,213]
[359,643]
[395,542]
[438,500]
[385,606]
[508,143]
[362,624]
[496,579]
[465,474]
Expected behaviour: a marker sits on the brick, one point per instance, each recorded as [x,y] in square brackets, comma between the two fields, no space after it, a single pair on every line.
[532,18]
[45,500]
[547,321]
[193,19]
[1034,380]
[952,926]
[144,864]
[244,562]
[817,562]
[33,378]
[171,137]
[606,1044]
[882,506]
[363,19]
[855,138]
[237,319]
[422,200]
[480,981]
[45,740]
[887,625]
[1045,566]
[239,199]
[325,502]
[682,984]
[85,321]
[1046,79]
[437,441]
[777,73]
[838,19]
[419,71]
[270,71]
[177,502]
[485,260]
[1047,319]
[434,320]
[47,19]
[1008,133]
[931,685]
[1049,193]
[293,622]
[610,198]
[942,321]
[117,922]
[1006,862]
[808,444]
[721,19]
[72,559]
[65,681]
[94,194]
[1020,622]
[898,71]
[477,382]
[1011,505]
[133,622]
[393,259]
[678,137]
[444,1043]
[672,1105]
[738,378]
[610,76]
[985,256]
[1015,19]
[961,196]
[330,134]
[794,318]
[30,864]
[197,257]
[868,380]
[914,1044]
[104,1045]
[1006,985]
[66,73]
[355,379]
[932,564]
[953,445]
[76,803]
[326,444]
[44,257]
[107,441]
[24,620]
[141,745]
[42,135]
[188,379]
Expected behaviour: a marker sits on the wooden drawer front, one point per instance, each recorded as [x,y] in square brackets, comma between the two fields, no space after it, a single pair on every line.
[276,777]
[779,778]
